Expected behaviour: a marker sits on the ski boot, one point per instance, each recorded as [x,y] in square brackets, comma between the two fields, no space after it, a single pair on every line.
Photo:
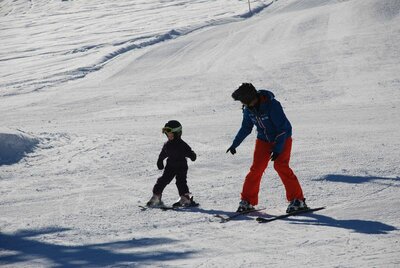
[296,205]
[244,206]
[155,201]
[185,200]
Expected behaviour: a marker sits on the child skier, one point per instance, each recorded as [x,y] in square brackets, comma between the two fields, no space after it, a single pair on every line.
[176,150]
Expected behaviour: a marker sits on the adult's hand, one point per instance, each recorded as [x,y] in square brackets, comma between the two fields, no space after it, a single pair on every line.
[231,150]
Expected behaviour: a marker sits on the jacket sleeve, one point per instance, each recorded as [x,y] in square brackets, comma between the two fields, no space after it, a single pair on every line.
[190,153]
[163,153]
[281,124]
[161,157]
[244,131]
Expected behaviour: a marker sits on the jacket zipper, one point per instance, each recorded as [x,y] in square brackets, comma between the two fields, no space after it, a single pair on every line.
[259,120]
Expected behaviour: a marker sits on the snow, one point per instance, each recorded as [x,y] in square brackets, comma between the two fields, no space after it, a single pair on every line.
[52,42]
[14,145]
[87,85]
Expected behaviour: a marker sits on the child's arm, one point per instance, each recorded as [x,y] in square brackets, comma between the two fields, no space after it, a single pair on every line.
[192,156]
[161,157]
[190,153]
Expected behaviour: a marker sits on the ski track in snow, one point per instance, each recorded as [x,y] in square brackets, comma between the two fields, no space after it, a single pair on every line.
[46,43]
[72,200]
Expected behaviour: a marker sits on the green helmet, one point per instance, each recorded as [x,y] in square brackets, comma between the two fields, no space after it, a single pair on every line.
[173,126]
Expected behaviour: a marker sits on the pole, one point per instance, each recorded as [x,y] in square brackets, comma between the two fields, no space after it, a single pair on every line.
[249,6]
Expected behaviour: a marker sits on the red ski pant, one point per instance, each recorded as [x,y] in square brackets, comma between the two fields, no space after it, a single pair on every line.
[262,152]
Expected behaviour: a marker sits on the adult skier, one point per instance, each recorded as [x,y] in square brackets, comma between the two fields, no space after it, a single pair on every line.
[274,142]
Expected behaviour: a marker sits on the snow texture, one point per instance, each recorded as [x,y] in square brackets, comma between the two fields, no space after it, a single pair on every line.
[86,87]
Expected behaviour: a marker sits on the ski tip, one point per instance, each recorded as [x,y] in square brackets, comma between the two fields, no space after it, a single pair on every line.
[142,208]
[261,219]
[317,208]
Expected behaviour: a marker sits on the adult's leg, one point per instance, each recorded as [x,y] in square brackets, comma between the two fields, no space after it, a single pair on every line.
[289,179]
[251,185]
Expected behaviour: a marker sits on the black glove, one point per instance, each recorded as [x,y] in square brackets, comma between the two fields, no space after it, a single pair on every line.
[160,164]
[232,150]
[193,157]
[274,156]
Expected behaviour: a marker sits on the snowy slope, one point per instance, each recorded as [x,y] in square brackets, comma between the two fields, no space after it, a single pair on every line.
[46,43]
[334,65]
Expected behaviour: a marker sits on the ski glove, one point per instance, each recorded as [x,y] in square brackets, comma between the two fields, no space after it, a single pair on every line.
[274,156]
[160,164]
[231,150]
[193,157]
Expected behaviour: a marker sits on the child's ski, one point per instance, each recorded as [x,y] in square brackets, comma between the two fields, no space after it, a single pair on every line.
[283,216]
[236,214]
[192,205]
[143,208]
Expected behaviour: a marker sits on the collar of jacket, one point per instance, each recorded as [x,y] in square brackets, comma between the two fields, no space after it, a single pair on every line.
[262,99]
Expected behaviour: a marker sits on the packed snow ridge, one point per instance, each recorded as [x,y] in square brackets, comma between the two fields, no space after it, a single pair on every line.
[14,144]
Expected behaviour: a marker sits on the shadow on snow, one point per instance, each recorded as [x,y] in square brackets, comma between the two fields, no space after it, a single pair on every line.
[359,226]
[360,179]
[23,248]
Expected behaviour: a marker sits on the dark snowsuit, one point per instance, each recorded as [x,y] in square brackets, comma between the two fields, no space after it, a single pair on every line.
[176,151]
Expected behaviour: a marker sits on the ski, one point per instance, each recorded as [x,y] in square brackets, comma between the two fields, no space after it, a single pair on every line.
[193,205]
[165,208]
[236,214]
[143,208]
[283,216]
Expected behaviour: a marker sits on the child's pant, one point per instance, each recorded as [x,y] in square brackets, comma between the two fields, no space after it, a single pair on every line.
[262,152]
[169,173]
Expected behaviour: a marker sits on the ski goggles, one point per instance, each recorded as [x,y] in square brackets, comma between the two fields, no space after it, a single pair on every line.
[169,129]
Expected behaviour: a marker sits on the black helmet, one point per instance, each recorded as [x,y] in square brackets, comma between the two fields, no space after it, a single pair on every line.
[246,93]
[174,127]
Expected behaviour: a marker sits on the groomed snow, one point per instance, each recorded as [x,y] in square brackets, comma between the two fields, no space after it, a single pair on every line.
[73,200]
[46,43]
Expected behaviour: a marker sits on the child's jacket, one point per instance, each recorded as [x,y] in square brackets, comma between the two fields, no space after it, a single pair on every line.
[176,151]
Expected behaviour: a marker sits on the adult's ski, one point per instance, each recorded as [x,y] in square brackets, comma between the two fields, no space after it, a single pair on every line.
[236,214]
[283,216]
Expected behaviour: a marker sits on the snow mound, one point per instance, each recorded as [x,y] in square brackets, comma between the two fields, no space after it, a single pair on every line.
[14,144]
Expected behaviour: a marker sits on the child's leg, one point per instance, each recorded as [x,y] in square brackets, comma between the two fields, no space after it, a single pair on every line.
[164,180]
[181,182]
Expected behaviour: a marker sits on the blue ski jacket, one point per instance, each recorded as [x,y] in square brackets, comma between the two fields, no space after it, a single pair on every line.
[269,119]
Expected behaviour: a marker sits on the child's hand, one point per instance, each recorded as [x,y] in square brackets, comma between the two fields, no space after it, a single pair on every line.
[160,164]
[193,157]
